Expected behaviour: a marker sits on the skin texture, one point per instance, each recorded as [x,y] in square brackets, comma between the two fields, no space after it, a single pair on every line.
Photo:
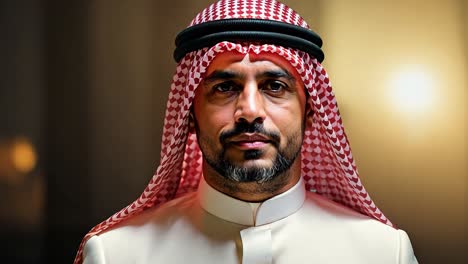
[249,112]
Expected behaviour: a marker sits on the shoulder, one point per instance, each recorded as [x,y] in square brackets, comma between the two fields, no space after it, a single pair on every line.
[337,214]
[155,216]
[139,232]
[338,225]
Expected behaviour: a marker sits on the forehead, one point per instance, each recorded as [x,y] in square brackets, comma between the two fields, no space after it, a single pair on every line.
[264,61]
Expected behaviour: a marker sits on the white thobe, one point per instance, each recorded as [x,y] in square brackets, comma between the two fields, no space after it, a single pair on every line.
[210,227]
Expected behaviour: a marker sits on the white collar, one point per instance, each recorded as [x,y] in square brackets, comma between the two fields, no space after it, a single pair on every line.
[251,214]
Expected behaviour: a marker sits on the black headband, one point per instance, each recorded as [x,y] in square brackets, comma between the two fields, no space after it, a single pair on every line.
[269,31]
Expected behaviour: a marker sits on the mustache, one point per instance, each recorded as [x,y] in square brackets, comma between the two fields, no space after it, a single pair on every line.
[245,127]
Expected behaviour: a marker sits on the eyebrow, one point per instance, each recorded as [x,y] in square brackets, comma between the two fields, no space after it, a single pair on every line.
[281,73]
[229,75]
[222,75]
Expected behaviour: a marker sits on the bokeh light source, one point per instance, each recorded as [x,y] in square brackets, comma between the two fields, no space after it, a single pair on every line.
[412,90]
[18,158]
[23,155]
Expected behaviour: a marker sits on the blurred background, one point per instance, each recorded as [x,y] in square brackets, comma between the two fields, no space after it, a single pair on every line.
[83,89]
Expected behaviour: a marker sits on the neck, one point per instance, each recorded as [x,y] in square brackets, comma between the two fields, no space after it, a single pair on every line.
[253,191]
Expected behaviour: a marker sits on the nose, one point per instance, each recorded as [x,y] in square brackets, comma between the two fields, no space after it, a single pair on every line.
[250,105]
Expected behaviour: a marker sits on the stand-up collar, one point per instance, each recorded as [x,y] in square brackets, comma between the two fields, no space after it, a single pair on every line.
[251,214]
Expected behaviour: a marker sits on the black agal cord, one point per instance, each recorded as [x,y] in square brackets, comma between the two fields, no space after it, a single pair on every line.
[257,30]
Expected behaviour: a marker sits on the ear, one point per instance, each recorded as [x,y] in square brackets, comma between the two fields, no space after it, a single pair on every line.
[191,123]
[309,113]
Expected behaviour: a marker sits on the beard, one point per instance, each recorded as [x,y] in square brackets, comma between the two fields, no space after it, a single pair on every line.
[281,163]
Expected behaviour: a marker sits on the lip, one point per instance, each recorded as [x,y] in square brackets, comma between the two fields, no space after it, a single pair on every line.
[250,141]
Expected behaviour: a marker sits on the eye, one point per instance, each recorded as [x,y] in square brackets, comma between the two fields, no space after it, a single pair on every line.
[224,87]
[275,86]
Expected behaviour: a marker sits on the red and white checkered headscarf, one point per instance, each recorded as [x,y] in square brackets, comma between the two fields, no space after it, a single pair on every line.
[327,163]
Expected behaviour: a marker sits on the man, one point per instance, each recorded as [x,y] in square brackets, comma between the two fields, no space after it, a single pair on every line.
[255,165]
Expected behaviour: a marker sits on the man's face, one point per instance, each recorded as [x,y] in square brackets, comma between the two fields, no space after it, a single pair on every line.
[249,116]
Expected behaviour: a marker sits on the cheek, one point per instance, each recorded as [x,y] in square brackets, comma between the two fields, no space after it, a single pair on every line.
[215,120]
[212,120]
[287,116]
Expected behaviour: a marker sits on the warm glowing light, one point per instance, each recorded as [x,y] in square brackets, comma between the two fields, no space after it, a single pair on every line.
[412,91]
[23,156]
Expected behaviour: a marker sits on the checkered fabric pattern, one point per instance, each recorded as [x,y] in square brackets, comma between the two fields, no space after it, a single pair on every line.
[327,163]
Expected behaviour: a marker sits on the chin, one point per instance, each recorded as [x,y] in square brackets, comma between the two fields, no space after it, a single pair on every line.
[255,163]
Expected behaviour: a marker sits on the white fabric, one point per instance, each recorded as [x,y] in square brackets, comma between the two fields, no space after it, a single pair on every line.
[181,231]
[256,245]
[251,214]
